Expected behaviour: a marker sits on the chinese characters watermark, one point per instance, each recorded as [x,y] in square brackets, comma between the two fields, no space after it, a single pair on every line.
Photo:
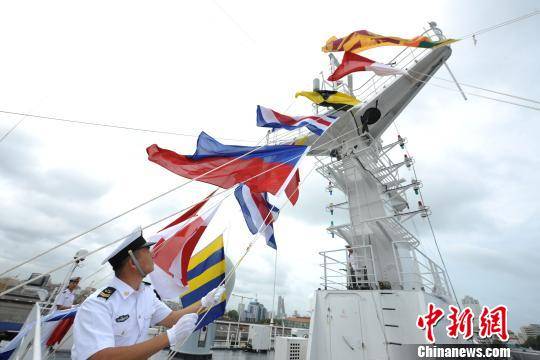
[491,322]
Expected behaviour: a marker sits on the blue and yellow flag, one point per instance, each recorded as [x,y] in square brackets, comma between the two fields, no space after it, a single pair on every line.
[206,270]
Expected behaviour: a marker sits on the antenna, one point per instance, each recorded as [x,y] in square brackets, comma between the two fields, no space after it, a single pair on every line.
[440,36]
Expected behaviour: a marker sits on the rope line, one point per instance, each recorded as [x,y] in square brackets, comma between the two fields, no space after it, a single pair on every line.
[146,202]
[10,130]
[105,125]
[443,263]
[138,206]
[478,87]
[254,237]
[504,23]
[478,95]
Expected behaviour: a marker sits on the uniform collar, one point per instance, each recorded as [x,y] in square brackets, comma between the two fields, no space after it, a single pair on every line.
[124,289]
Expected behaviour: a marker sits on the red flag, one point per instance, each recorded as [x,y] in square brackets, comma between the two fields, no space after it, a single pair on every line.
[292,190]
[352,63]
[263,169]
[192,211]
[60,331]
[172,253]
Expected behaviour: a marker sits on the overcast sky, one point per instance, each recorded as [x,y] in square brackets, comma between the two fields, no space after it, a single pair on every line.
[205,66]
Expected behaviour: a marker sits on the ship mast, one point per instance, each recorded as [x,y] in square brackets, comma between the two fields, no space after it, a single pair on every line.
[373,290]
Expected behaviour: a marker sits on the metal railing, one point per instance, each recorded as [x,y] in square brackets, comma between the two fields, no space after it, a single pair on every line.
[349,269]
[354,268]
[232,335]
[419,271]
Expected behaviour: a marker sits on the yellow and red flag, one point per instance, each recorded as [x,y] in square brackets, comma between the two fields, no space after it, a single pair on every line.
[362,40]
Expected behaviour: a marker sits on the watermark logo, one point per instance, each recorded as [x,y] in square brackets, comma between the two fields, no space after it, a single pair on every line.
[491,322]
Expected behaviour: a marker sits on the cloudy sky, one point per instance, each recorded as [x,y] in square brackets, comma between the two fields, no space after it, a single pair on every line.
[205,66]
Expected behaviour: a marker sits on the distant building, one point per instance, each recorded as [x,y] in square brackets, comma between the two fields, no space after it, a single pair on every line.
[295,313]
[241,312]
[255,312]
[528,331]
[512,338]
[476,307]
[281,308]
[297,322]
[83,294]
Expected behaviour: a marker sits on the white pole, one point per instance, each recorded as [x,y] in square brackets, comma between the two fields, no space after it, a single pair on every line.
[36,346]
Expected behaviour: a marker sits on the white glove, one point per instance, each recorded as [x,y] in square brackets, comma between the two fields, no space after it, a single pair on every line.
[182,329]
[213,297]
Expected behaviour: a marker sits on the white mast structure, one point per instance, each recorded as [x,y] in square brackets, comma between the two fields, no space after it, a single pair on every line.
[373,291]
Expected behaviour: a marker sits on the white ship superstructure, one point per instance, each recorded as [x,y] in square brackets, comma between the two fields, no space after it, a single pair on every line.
[373,291]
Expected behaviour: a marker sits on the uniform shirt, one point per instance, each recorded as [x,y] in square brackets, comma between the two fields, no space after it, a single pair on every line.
[65,298]
[121,319]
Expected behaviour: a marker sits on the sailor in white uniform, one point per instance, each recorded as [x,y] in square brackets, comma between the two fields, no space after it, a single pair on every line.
[65,299]
[113,322]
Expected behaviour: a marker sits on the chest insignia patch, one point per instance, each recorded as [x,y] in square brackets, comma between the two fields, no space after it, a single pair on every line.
[122,318]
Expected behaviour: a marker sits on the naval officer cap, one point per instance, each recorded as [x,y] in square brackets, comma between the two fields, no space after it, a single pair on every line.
[133,241]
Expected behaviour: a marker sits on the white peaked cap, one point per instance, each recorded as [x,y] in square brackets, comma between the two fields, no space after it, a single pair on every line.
[133,241]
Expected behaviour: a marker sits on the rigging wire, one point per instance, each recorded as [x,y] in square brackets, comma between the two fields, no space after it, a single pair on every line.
[478,95]
[178,187]
[477,87]
[139,206]
[87,255]
[11,129]
[254,237]
[274,291]
[146,202]
[443,263]
[504,23]
[105,125]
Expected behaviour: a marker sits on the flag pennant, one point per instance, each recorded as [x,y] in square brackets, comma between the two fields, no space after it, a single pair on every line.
[259,214]
[264,169]
[49,324]
[362,40]
[272,119]
[330,98]
[192,211]
[292,190]
[352,63]
[172,252]
[206,271]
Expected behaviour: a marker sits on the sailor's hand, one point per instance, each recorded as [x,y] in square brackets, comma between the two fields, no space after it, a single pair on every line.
[213,297]
[182,329]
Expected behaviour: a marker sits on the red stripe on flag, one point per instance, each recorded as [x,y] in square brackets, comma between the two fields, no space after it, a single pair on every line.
[259,175]
[263,208]
[289,120]
[190,212]
[351,63]
[284,119]
[169,249]
[187,251]
[60,331]
[292,190]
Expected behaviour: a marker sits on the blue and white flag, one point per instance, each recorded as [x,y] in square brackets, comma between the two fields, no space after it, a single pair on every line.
[47,322]
[258,213]
[317,124]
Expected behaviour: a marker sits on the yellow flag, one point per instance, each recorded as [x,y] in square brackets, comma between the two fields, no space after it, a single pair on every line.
[335,99]
[362,40]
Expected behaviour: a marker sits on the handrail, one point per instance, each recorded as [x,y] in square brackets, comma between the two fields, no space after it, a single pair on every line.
[337,275]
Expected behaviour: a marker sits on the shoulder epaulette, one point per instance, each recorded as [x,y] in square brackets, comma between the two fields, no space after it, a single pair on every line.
[106,293]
